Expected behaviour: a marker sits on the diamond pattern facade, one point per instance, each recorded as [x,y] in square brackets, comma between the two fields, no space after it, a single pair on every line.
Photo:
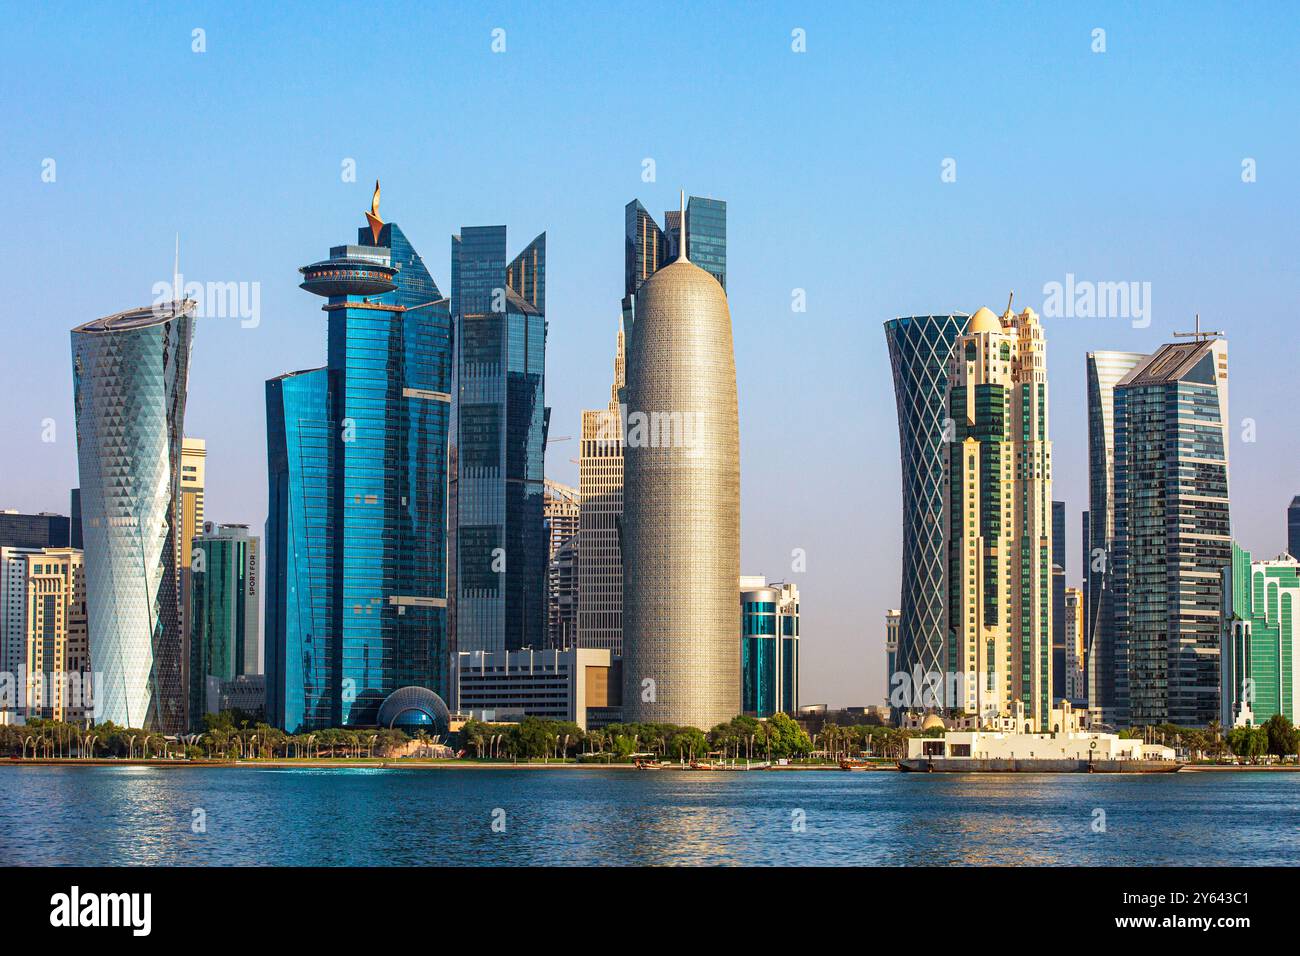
[130,374]
[920,348]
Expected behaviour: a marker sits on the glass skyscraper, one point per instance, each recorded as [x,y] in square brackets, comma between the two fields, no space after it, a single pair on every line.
[223,614]
[130,374]
[1261,639]
[1172,535]
[769,647]
[356,576]
[920,350]
[498,547]
[1104,372]
[1293,528]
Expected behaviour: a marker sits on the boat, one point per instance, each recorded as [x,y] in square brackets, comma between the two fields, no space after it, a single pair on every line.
[848,763]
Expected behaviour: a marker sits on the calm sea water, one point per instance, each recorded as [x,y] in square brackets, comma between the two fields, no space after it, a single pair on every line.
[97,816]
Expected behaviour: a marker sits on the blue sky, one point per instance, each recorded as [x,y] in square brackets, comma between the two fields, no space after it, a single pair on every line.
[1117,166]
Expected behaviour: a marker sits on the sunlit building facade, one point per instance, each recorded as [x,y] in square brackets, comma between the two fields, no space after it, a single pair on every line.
[130,375]
[1172,533]
[356,573]
[498,547]
[1261,640]
[920,351]
[769,647]
[998,527]
[57,659]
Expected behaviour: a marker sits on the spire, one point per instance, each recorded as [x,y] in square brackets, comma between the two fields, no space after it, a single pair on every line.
[681,231]
[177,293]
[372,217]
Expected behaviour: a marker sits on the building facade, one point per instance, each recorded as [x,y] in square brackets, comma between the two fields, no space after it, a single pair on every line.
[1261,640]
[1172,533]
[600,552]
[130,376]
[57,659]
[1076,687]
[998,520]
[920,352]
[891,649]
[562,513]
[356,570]
[769,647]
[571,684]
[498,549]
[224,615]
[1293,528]
[1059,639]
[1104,371]
[681,503]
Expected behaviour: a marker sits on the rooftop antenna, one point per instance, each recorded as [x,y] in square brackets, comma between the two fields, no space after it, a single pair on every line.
[681,231]
[177,294]
[1197,334]
[1010,299]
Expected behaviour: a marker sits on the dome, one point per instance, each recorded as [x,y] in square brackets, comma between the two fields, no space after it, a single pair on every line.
[984,321]
[414,708]
[934,721]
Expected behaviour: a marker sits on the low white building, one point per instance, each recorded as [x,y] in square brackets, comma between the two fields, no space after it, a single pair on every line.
[999,745]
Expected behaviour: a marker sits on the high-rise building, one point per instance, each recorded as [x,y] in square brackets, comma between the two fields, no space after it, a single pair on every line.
[1104,372]
[769,647]
[498,550]
[562,512]
[58,654]
[1172,535]
[998,533]
[681,503]
[920,350]
[1293,528]
[1261,639]
[600,553]
[44,530]
[356,571]
[223,613]
[194,453]
[130,374]
[1058,600]
[13,628]
[1076,688]
[891,650]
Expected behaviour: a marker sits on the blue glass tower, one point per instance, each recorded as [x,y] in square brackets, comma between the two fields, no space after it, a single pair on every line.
[357,455]
[498,548]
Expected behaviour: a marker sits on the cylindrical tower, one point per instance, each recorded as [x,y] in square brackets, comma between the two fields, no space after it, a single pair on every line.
[681,505]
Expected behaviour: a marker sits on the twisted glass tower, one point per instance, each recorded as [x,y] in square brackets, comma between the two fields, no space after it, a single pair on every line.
[681,504]
[920,350]
[357,455]
[130,373]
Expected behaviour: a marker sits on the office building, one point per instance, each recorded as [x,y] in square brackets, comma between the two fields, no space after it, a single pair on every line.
[1293,528]
[681,503]
[1076,687]
[58,678]
[1058,600]
[920,351]
[43,530]
[891,649]
[498,549]
[998,518]
[1261,640]
[581,685]
[223,614]
[1104,371]
[1172,534]
[356,571]
[769,647]
[600,553]
[561,512]
[13,630]
[130,375]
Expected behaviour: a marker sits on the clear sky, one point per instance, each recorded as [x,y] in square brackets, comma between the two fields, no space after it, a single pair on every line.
[1116,166]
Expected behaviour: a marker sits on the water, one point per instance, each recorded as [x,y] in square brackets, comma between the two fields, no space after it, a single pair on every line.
[94,816]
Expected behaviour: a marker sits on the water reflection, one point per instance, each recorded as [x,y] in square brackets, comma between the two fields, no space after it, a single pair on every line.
[371,816]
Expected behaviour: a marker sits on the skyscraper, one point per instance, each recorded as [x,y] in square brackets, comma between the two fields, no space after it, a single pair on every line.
[769,647]
[130,373]
[1261,640]
[681,504]
[1059,638]
[1076,690]
[1104,372]
[57,660]
[194,453]
[1293,528]
[891,649]
[1172,535]
[562,513]
[920,350]
[600,556]
[356,576]
[498,550]
[998,521]
[224,613]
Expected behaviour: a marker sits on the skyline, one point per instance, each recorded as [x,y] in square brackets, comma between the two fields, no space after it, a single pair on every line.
[1117,219]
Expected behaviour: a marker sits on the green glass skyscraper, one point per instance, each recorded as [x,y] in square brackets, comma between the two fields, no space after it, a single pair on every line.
[1261,639]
